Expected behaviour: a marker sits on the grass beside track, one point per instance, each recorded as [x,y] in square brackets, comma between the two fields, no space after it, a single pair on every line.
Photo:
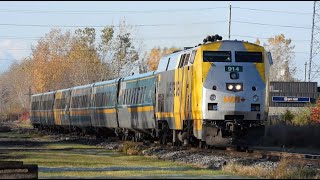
[69,159]
[73,159]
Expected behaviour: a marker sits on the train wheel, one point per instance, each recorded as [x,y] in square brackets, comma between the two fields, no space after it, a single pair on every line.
[164,138]
[202,144]
[137,137]
[177,143]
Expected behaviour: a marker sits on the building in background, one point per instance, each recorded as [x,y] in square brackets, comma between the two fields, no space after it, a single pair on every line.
[291,96]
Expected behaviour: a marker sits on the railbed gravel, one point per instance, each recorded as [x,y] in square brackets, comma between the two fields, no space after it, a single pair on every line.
[200,159]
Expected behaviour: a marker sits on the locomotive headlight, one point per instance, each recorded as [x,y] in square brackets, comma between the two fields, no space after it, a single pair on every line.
[212,97]
[230,87]
[238,86]
[255,98]
[234,75]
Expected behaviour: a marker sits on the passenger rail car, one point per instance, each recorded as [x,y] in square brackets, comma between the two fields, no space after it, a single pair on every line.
[213,94]
[61,108]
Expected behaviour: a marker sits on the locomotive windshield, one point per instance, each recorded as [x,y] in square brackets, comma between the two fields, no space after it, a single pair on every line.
[217,56]
[243,56]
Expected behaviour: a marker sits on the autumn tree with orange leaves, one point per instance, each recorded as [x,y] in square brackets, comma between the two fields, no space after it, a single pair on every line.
[155,54]
[283,68]
[66,59]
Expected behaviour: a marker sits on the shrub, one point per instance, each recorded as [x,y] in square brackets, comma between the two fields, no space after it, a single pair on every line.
[302,117]
[315,113]
[284,170]
[287,117]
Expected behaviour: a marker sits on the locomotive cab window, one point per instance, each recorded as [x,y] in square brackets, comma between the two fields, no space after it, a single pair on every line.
[217,56]
[254,57]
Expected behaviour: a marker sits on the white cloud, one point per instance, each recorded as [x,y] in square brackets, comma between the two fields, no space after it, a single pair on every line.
[14,49]
[11,51]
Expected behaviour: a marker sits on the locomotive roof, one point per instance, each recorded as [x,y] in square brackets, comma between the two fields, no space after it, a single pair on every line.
[82,86]
[196,47]
[138,76]
[62,90]
[47,93]
[106,82]
[35,95]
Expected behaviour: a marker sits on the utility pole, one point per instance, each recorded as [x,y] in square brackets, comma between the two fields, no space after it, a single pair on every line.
[314,66]
[305,71]
[229,21]
[29,94]
[311,45]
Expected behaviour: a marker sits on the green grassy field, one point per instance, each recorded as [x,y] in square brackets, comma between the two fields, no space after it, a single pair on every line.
[57,159]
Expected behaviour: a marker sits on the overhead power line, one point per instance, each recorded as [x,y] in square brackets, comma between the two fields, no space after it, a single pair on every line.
[296,40]
[154,25]
[265,10]
[106,12]
[154,38]
[289,26]
[146,11]
[136,25]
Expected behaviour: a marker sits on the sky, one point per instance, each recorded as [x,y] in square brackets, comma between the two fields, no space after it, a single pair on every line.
[159,23]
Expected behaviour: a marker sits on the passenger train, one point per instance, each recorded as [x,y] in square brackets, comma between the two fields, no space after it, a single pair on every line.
[213,94]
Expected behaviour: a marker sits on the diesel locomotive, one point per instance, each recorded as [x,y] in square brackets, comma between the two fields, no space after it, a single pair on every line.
[213,94]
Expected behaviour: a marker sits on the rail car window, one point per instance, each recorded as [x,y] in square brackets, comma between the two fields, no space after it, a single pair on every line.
[129,96]
[138,93]
[108,99]
[80,101]
[105,99]
[186,60]
[42,104]
[193,55]
[141,95]
[242,56]
[125,96]
[137,96]
[59,103]
[133,95]
[168,64]
[33,105]
[48,105]
[75,102]
[98,98]
[181,60]
[125,93]
[217,56]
